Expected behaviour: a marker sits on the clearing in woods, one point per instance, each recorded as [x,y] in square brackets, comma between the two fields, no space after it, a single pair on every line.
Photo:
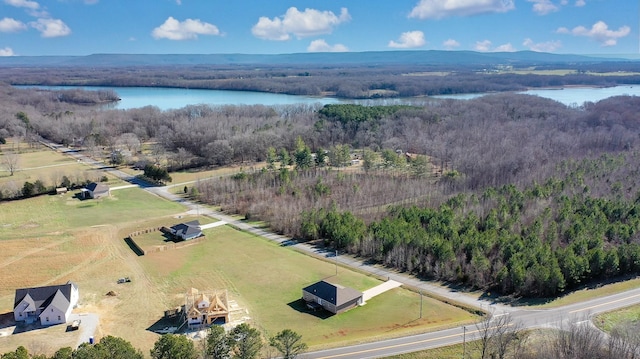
[52,239]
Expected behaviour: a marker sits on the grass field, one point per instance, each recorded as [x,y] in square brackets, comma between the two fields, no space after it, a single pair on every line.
[40,163]
[52,239]
[268,279]
[608,321]
[51,213]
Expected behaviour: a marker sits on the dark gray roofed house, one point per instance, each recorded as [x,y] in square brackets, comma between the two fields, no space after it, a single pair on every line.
[186,231]
[332,297]
[96,190]
[50,304]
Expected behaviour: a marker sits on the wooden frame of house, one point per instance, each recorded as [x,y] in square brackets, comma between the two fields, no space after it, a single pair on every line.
[203,309]
[50,305]
[332,297]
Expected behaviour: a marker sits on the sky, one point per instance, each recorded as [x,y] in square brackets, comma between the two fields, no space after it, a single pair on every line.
[84,27]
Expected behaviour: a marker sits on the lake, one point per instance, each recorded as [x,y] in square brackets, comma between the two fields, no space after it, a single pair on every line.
[173,98]
[570,96]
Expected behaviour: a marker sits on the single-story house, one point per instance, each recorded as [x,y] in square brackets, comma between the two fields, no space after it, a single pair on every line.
[186,231]
[96,190]
[51,304]
[205,308]
[332,297]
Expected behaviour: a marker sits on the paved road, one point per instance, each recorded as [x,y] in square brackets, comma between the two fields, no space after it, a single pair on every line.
[522,317]
[525,318]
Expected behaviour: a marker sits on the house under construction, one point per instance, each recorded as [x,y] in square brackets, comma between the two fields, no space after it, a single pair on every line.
[204,308]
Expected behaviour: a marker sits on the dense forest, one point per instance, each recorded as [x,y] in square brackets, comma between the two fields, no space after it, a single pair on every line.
[510,193]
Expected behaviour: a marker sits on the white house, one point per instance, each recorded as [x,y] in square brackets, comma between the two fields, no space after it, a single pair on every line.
[51,305]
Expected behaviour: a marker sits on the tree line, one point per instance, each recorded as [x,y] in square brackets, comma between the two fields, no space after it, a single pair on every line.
[349,82]
[242,342]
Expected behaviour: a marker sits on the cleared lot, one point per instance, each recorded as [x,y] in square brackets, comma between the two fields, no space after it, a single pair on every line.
[53,239]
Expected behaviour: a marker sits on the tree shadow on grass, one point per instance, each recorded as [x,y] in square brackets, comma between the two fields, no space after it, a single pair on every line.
[301,306]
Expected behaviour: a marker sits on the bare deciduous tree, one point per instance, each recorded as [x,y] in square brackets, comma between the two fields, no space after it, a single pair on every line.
[498,335]
[11,160]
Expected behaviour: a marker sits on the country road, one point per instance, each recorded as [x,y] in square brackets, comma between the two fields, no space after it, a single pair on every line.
[525,318]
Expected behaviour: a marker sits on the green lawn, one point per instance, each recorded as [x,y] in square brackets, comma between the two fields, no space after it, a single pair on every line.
[608,321]
[49,167]
[50,213]
[268,279]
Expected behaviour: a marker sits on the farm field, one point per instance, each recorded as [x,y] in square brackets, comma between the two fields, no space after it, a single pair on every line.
[59,238]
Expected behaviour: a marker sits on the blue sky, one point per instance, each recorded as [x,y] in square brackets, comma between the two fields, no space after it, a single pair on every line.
[83,27]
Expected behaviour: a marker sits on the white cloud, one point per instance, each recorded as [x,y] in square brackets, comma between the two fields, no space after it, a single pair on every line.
[11,25]
[51,27]
[7,51]
[505,48]
[23,3]
[173,29]
[437,9]
[485,46]
[321,46]
[409,40]
[599,32]
[549,46]
[580,3]
[91,2]
[543,7]
[450,44]
[310,22]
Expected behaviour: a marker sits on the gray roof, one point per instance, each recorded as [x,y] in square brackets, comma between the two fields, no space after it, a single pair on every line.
[97,187]
[333,293]
[41,297]
[187,230]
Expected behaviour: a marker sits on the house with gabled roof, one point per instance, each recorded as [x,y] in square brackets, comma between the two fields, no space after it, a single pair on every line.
[96,190]
[50,305]
[186,231]
[332,297]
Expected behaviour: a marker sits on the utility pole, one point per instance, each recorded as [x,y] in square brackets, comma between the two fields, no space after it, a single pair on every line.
[464,342]
[336,262]
[420,303]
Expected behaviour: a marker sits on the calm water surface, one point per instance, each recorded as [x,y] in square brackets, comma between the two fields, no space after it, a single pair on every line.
[172,98]
[570,96]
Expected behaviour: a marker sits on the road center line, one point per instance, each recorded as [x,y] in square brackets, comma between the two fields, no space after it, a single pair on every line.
[601,304]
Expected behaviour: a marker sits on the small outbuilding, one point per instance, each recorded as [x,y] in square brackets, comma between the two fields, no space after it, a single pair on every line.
[332,297]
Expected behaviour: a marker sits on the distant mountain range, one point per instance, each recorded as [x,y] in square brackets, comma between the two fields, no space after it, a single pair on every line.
[430,57]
